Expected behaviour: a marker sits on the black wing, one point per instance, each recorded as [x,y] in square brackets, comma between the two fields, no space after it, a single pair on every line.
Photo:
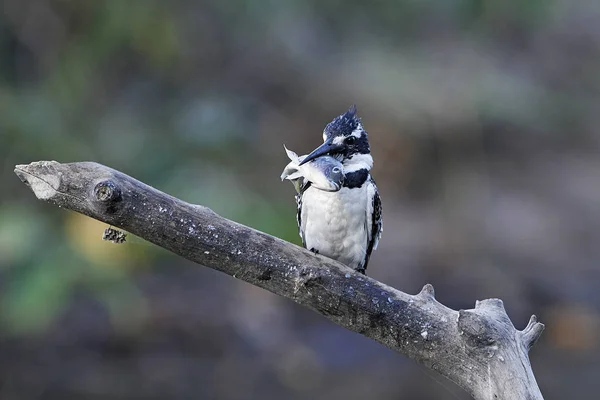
[374,220]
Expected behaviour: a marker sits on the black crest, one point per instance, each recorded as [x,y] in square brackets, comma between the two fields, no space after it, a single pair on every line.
[344,124]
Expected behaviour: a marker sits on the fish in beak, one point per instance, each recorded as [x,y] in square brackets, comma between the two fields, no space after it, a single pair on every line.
[324,172]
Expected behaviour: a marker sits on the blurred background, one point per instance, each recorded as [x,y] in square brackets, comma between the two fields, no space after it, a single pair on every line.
[483,120]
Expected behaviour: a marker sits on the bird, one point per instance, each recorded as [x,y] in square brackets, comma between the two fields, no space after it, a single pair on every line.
[346,224]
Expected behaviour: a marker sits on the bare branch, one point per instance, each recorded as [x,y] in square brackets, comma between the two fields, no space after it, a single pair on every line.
[479,349]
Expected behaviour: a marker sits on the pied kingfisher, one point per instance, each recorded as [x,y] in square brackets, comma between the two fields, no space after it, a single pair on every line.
[345,224]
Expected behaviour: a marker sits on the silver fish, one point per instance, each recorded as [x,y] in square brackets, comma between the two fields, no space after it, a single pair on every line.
[324,173]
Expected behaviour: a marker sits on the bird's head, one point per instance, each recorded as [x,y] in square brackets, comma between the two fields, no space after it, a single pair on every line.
[345,139]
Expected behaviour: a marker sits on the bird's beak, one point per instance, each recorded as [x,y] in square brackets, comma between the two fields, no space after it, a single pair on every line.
[326,148]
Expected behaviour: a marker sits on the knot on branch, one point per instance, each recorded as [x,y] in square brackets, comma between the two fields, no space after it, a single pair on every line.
[108,194]
[107,191]
[531,333]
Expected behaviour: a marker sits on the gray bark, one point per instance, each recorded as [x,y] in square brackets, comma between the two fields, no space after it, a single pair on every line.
[479,349]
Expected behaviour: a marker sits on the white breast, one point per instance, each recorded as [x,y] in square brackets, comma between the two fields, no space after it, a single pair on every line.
[334,223]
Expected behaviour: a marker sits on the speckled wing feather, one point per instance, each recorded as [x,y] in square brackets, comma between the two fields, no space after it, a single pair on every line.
[374,219]
[303,188]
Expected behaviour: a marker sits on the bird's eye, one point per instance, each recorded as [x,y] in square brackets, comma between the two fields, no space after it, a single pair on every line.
[335,170]
[350,140]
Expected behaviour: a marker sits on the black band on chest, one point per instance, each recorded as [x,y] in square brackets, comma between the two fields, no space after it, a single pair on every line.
[356,179]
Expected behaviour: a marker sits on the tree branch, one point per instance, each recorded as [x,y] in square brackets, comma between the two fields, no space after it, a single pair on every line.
[479,349]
